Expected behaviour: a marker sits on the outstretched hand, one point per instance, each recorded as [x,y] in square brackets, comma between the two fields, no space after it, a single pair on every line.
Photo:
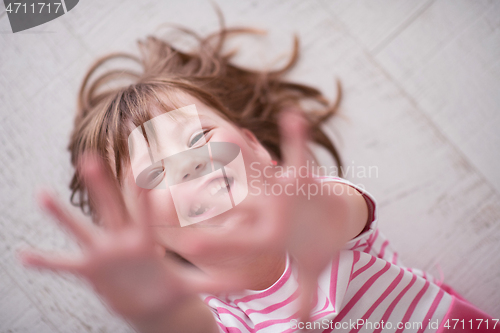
[293,214]
[120,260]
[317,222]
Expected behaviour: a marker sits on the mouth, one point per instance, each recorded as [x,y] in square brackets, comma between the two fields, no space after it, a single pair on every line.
[210,196]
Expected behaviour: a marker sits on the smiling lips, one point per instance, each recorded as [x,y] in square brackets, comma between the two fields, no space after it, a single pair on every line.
[211,195]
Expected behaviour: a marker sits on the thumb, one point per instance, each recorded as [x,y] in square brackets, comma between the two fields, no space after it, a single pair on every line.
[199,282]
[308,287]
[293,130]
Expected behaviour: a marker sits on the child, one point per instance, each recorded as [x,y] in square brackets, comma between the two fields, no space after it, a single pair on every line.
[185,171]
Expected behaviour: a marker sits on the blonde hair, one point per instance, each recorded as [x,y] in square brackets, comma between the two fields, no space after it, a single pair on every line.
[249,98]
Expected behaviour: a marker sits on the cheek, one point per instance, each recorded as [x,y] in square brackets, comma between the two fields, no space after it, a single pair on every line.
[162,209]
[161,206]
[229,134]
[165,223]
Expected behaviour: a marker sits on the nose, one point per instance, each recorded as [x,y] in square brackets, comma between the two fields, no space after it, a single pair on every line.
[187,165]
[193,170]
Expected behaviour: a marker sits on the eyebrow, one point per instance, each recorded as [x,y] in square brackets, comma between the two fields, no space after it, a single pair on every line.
[181,122]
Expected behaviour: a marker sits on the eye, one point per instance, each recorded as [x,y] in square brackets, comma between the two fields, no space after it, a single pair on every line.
[154,177]
[197,137]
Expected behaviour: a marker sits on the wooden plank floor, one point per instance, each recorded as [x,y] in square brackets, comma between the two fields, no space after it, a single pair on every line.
[421,112]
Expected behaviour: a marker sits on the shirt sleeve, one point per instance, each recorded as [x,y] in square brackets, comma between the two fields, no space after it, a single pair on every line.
[206,299]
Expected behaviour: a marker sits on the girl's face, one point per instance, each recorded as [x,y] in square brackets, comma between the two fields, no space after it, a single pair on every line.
[194,171]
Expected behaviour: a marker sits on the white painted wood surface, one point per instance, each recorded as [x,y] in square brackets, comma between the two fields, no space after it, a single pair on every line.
[422,95]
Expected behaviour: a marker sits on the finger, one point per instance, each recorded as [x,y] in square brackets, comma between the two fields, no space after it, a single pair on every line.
[216,244]
[293,129]
[198,282]
[308,287]
[250,231]
[82,233]
[104,191]
[145,219]
[141,210]
[52,262]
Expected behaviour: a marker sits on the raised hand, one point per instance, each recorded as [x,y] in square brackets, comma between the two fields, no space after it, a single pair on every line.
[319,221]
[120,260]
[297,216]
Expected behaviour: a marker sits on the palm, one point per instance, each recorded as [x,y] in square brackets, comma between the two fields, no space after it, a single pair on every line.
[301,225]
[120,260]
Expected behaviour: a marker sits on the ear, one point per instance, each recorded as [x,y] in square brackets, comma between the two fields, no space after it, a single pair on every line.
[255,144]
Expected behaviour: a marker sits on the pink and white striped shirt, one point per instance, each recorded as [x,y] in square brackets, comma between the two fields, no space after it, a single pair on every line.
[365,289]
